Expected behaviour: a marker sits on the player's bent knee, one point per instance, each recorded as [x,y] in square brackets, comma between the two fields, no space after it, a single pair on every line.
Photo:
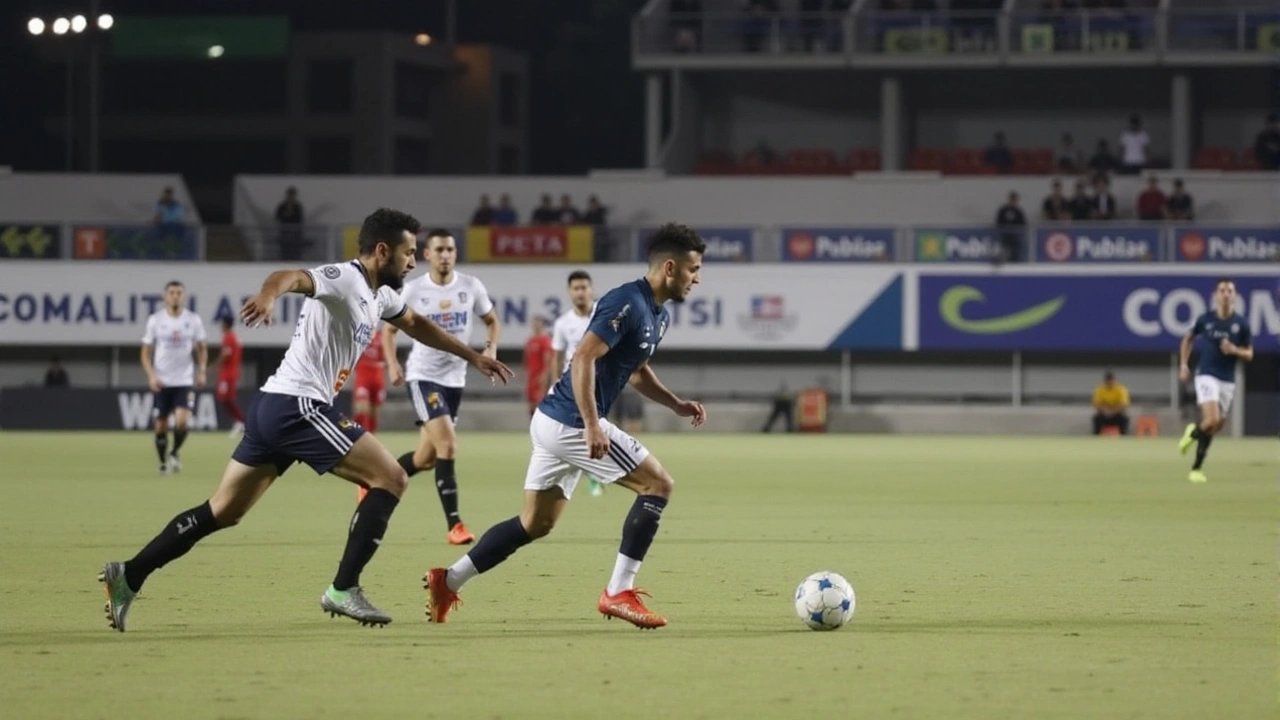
[395,481]
[538,526]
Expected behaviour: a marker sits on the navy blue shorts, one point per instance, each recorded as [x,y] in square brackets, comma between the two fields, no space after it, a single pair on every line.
[170,399]
[431,401]
[284,429]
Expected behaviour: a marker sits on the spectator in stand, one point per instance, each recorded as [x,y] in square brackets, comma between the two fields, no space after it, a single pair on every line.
[1012,224]
[56,376]
[1180,206]
[567,214]
[759,24]
[168,210]
[999,156]
[484,214]
[685,17]
[546,213]
[1110,405]
[1080,204]
[1266,149]
[1102,162]
[765,155]
[596,213]
[289,217]
[1133,147]
[505,214]
[1151,203]
[598,218]
[1104,203]
[1056,207]
[1070,159]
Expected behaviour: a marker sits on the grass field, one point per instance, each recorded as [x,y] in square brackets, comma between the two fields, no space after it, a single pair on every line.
[996,578]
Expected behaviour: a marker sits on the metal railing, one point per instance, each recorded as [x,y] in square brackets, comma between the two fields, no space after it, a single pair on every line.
[871,31]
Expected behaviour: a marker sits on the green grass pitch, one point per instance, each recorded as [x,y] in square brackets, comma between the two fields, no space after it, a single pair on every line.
[996,578]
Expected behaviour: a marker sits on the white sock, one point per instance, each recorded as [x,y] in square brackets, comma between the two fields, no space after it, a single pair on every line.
[460,572]
[624,575]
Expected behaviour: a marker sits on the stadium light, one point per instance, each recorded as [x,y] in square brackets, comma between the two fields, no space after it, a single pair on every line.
[216,51]
[61,26]
[422,39]
[78,24]
[35,26]
[105,21]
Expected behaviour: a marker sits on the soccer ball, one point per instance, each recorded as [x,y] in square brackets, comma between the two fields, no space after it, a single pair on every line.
[825,601]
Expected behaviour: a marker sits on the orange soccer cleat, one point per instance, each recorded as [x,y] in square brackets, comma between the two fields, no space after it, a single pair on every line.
[459,535]
[440,599]
[628,606]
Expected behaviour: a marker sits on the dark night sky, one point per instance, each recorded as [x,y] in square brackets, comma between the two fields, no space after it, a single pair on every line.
[587,106]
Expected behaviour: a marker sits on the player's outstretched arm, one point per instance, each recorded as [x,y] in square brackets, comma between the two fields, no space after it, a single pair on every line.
[257,309]
[1184,355]
[646,381]
[431,335]
[395,372]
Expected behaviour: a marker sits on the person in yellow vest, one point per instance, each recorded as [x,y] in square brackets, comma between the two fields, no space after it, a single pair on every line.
[1110,405]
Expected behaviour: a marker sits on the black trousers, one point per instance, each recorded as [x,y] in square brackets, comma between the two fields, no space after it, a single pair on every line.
[784,409]
[1101,421]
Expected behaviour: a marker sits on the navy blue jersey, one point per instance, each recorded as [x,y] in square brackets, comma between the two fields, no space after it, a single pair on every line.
[1214,330]
[631,323]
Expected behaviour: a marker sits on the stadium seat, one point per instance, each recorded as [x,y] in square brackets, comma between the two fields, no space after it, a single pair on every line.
[967,161]
[1246,161]
[863,160]
[1033,161]
[927,159]
[1147,426]
[1215,158]
[716,162]
[812,161]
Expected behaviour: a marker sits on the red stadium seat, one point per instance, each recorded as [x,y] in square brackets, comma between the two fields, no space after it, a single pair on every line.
[863,160]
[927,159]
[1215,158]
[967,161]
[1033,161]
[1246,161]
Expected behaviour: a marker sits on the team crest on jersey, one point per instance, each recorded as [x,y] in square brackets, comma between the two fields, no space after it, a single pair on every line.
[433,400]
[616,322]
[462,298]
[662,328]
[1235,327]
[446,304]
[332,272]
[363,334]
[345,424]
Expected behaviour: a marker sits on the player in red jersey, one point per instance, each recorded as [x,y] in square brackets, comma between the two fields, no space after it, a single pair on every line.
[371,384]
[537,364]
[229,374]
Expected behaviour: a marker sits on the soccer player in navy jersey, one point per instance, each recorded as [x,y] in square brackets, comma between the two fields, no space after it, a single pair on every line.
[572,435]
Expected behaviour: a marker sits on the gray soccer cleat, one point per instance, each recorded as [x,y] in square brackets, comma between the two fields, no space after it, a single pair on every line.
[119,596]
[353,604]
[175,465]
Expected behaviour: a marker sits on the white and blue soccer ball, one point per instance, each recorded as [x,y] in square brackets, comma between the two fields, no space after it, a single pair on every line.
[825,601]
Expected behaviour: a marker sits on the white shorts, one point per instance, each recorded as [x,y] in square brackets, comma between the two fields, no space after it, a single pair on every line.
[1211,389]
[560,455]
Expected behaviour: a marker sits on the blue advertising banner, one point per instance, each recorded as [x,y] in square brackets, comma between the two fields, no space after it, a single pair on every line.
[965,244]
[1239,244]
[1098,244]
[31,241]
[837,244]
[1081,312]
[136,242]
[723,244]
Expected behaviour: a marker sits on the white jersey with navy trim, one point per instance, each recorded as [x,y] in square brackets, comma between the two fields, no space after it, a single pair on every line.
[454,307]
[334,327]
[172,340]
[567,332]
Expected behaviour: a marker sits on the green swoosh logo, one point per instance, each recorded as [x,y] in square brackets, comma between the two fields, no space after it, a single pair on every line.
[954,299]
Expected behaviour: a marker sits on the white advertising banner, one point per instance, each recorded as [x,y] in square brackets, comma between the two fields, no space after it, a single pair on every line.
[800,307]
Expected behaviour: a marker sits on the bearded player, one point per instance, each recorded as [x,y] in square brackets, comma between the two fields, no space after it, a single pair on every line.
[572,435]
[293,418]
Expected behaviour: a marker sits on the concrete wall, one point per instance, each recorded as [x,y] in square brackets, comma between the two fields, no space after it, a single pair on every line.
[84,197]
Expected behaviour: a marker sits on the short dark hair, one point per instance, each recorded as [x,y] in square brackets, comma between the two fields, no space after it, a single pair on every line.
[438,232]
[1223,280]
[227,321]
[386,226]
[1109,375]
[675,239]
[172,283]
[579,275]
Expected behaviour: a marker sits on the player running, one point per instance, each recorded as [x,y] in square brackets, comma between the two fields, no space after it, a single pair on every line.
[571,434]
[293,419]
[537,364]
[371,384]
[567,332]
[451,300]
[1227,338]
[229,356]
[167,344]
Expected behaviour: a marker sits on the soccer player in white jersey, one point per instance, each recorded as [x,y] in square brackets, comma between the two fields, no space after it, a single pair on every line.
[567,332]
[172,336]
[293,419]
[452,300]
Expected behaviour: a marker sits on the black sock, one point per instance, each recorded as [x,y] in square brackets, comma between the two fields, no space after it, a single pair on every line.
[1197,433]
[498,543]
[179,536]
[641,525]
[447,488]
[406,462]
[162,447]
[367,528]
[179,437]
[1202,449]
